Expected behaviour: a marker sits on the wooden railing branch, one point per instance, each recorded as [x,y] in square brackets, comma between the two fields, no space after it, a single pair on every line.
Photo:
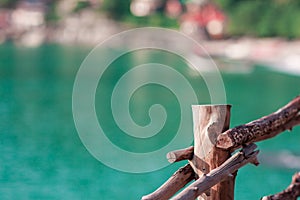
[210,162]
[292,192]
[246,155]
[177,181]
[266,127]
[182,154]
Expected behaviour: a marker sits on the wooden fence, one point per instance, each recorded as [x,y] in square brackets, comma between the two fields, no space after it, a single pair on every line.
[211,163]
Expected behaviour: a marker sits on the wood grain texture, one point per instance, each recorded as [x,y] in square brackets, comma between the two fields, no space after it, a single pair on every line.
[209,122]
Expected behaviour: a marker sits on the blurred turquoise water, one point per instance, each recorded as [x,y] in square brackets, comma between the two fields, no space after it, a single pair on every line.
[42,156]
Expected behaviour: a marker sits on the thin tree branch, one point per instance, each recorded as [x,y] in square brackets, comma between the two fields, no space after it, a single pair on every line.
[246,155]
[177,181]
[182,154]
[290,193]
[266,127]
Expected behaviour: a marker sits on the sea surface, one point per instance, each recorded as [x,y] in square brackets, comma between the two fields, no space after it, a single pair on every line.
[42,156]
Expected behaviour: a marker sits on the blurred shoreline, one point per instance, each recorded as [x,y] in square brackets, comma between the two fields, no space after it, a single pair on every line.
[90,28]
[83,28]
[277,53]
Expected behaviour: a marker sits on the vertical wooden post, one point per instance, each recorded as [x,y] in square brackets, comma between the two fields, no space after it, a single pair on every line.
[210,121]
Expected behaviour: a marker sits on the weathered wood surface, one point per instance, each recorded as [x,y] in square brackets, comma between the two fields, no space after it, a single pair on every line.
[292,192]
[181,154]
[209,122]
[266,127]
[246,155]
[177,181]
[219,147]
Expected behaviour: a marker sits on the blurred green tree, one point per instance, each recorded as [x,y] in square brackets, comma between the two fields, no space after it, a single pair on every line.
[8,3]
[116,9]
[265,18]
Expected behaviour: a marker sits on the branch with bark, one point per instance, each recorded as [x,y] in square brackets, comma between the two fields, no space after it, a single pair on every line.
[246,155]
[292,192]
[177,181]
[181,154]
[266,127]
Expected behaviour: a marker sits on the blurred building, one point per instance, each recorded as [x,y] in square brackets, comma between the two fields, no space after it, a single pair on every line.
[173,8]
[25,24]
[143,8]
[82,23]
[202,20]
[28,15]
[4,23]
